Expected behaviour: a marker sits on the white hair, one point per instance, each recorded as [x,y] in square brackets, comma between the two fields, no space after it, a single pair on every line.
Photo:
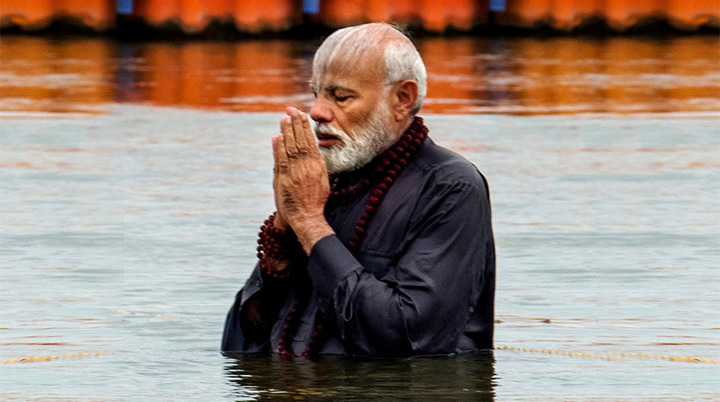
[401,58]
[403,62]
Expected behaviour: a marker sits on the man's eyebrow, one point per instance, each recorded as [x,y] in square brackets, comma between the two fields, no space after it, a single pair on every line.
[339,88]
[330,88]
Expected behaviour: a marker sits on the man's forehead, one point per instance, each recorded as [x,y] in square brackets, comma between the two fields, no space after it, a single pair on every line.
[347,74]
[331,82]
[348,82]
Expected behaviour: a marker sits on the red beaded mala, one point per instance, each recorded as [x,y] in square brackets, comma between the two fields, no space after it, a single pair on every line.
[381,172]
[275,244]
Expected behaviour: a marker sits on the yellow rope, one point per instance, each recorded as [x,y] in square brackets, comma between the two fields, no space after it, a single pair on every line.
[35,359]
[620,356]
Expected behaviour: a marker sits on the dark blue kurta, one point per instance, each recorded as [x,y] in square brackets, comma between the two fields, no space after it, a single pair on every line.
[423,281]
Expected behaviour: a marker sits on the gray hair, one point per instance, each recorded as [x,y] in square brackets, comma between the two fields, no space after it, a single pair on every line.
[401,58]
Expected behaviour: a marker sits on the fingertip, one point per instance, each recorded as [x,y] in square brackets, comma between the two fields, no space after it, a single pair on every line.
[285,124]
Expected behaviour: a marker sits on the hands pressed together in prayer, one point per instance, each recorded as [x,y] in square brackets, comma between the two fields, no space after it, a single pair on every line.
[300,180]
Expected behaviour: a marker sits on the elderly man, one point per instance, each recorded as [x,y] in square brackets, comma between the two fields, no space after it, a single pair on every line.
[382,242]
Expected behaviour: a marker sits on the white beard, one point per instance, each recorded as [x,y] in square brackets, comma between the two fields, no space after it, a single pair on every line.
[366,142]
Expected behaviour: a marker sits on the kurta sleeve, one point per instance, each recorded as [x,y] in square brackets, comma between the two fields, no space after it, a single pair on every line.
[249,322]
[420,302]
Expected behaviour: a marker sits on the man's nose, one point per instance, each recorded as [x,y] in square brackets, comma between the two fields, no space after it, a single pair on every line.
[321,111]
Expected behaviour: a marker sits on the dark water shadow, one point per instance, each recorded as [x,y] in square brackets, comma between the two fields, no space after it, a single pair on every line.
[462,378]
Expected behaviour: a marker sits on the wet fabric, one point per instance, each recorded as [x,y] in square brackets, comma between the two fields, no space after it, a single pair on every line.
[422,283]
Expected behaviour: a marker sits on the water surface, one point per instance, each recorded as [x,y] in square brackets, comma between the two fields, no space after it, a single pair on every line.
[134,177]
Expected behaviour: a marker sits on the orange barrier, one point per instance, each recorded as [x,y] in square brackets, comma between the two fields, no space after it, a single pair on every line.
[37,14]
[619,14]
[195,15]
[564,15]
[155,12]
[433,15]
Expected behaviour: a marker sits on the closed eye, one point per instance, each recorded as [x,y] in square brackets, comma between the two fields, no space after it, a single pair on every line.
[340,95]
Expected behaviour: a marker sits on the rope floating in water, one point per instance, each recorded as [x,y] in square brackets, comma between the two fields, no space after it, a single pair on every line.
[618,357]
[36,359]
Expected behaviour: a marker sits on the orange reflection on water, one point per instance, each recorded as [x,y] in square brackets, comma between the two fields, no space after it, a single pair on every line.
[249,76]
[466,75]
[42,75]
[566,75]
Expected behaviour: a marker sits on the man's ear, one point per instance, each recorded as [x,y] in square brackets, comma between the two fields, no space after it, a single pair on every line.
[405,95]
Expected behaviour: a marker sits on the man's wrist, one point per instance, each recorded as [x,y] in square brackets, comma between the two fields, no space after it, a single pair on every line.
[280,223]
[311,232]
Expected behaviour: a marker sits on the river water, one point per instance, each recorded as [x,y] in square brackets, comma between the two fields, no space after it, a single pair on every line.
[134,176]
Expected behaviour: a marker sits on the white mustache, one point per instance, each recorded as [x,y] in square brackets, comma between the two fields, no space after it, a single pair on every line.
[327,129]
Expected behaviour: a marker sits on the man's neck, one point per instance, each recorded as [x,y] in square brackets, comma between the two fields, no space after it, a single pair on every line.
[403,126]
